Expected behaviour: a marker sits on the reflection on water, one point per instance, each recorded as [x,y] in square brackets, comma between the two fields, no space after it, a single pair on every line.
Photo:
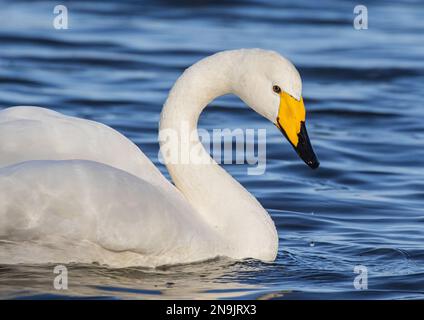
[363,91]
[219,278]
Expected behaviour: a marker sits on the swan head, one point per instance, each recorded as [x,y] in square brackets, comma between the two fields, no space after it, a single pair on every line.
[271,85]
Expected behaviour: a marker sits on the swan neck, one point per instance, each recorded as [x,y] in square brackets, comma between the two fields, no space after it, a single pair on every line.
[216,196]
[194,90]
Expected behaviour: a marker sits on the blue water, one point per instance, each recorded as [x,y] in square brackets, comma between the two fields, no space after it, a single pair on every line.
[364,94]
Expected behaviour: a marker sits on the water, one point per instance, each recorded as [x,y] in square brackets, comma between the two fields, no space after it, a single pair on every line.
[363,91]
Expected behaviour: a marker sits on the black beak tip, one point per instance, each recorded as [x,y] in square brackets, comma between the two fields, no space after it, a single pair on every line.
[304,148]
[313,164]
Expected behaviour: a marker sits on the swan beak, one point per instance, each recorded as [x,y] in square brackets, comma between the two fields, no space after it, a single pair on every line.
[291,122]
[304,148]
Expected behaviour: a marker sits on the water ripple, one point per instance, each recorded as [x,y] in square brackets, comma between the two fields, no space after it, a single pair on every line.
[363,90]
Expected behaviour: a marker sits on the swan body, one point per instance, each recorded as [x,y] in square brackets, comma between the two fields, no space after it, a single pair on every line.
[74,190]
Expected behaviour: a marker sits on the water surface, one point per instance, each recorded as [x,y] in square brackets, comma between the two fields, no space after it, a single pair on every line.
[364,94]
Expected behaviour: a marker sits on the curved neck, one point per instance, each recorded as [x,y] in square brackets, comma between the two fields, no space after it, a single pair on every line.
[221,201]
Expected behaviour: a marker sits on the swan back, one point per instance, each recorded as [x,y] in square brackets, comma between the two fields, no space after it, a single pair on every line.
[34,133]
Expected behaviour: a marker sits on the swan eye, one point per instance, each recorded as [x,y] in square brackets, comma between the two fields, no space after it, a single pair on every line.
[276,89]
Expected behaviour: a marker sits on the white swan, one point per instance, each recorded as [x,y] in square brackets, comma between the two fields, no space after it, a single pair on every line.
[74,190]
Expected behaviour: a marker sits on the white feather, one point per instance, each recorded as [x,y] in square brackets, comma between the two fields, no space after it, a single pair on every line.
[77,190]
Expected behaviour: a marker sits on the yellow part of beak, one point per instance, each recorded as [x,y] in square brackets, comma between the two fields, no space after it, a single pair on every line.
[290,116]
